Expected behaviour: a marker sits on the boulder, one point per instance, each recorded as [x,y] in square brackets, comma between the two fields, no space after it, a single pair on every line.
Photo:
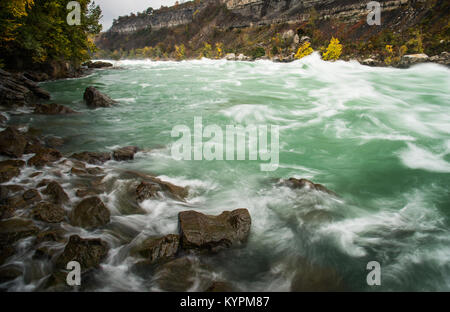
[125,153]
[44,156]
[157,248]
[12,143]
[242,57]
[88,252]
[48,212]
[9,204]
[54,142]
[443,58]
[56,193]
[98,64]
[314,278]
[95,98]
[9,273]
[307,185]
[230,56]
[12,230]
[93,158]
[147,190]
[212,233]
[219,286]
[10,169]
[411,59]
[90,213]
[53,109]
[17,90]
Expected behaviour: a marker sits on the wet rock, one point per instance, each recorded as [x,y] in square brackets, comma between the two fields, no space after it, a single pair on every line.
[56,193]
[182,274]
[12,230]
[98,64]
[76,171]
[12,143]
[36,76]
[90,213]
[443,59]
[308,185]
[44,156]
[35,174]
[95,98]
[125,153]
[88,252]
[315,278]
[54,142]
[18,201]
[94,170]
[17,90]
[157,248]
[147,190]
[53,109]
[242,57]
[85,192]
[9,273]
[54,235]
[48,212]
[3,120]
[212,233]
[411,59]
[218,286]
[6,251]
[230,56]
[93,158]
[10,169]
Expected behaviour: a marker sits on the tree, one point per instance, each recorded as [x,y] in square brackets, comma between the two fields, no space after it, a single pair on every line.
[333,51]
[41,32]
[304,50]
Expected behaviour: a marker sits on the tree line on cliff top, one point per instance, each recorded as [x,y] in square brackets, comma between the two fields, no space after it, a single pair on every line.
[36,31]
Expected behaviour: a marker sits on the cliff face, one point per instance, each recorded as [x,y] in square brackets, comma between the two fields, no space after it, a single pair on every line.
[252,12]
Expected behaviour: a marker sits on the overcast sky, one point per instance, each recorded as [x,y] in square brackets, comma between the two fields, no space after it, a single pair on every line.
[112,9]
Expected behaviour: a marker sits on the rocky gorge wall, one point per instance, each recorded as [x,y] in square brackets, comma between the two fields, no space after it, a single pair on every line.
[254,12]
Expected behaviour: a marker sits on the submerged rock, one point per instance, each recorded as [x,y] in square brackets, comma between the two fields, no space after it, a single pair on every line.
[95,98]
[212,233]
[10,169]
[151,185]
[93,158]
[12,230]
[307,184]
[88,252]
[219,286]
[12,143]
[9,273]
[146,190]
[182,274]
[315,278]
[90,213]
[53,109]
[157,248]
[56,193]
[125,153]
[48,212]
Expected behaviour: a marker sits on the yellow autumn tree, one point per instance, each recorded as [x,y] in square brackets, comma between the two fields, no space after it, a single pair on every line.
[180,52]
[11,13]
[219,49]
[304,50]
[333,51]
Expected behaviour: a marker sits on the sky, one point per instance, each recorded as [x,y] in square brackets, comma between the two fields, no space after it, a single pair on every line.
[112,9]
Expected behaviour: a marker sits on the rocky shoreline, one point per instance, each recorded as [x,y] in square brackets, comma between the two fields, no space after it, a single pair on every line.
[53,207]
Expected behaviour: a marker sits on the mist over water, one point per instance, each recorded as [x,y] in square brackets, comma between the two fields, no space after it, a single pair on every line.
[378,137]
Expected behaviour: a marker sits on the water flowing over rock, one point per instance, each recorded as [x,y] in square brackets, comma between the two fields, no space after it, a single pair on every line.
[12,230]
[125,153]
[53,109]
[157,248]
[12,142]
[95,98]
[98,64]
[44,156]
[88,252]
[90,213]
[212,233]
[150,186]
[10,169]
[93,158]
[307,184]
[56,193]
